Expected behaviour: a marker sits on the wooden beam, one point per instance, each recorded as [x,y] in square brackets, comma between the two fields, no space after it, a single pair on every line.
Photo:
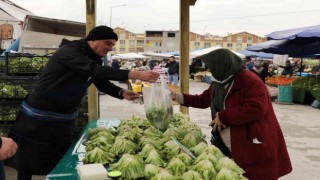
[192,2]
[92,90]
[184,49]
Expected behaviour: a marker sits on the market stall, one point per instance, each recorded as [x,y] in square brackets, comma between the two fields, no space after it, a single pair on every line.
[141,151]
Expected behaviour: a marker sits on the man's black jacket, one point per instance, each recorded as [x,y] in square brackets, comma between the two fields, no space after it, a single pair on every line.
[64,81]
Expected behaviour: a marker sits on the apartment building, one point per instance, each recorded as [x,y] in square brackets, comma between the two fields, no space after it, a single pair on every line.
[240,41]
[169,41]
[162,41]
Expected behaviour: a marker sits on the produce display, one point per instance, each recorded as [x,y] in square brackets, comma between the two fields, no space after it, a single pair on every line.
[27,64]
[280,80]
[140,151]
[309,83]
[8,112]
[7,90]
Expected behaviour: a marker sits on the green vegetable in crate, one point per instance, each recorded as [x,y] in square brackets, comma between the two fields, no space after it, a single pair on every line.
[98,155]
[171,149]
[192,138]
[170,132]
[185,158]
[155,158]
[156,142]
[12,90]
[228,163]
[226,174]
[206,169]
[206,156]
[151,170]
[133,133]
[152,132]
[215,151]
[198,149]
[130,166]
[191,175]
[176,167]
[163,175]
[146,150]
[123,145]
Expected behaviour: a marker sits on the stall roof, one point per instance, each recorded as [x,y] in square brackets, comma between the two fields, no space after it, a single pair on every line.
[12,12]
[55,26]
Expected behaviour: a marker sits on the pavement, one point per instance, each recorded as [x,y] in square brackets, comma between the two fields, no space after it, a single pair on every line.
[300,125]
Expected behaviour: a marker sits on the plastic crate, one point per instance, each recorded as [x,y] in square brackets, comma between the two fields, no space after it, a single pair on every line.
[12,87]
[285,95]
[24,64]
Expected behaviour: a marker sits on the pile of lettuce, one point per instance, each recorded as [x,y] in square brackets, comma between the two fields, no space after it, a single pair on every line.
[139,150]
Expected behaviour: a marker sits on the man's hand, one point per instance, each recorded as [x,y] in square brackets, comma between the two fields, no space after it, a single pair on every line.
[216,123]
[148,76]
[8,148]
[130,95]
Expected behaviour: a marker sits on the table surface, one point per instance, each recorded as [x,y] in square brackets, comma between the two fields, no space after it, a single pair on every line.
[66,168]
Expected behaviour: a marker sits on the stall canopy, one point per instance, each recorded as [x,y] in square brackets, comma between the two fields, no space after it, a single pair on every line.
[129,56]
[161,55]
[305,32]
[200,52]
[262,55]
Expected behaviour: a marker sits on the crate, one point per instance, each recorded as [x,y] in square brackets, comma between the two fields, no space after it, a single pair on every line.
[285,95]
[12,87]
[24,64]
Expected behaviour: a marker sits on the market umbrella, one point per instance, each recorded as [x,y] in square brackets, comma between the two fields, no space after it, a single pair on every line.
[257,54]
[305,32]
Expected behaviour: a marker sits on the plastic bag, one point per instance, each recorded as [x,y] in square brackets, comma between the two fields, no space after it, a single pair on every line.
[158,105]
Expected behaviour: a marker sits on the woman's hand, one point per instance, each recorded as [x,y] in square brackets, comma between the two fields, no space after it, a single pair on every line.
[216,123]
[130,95]
[173,95]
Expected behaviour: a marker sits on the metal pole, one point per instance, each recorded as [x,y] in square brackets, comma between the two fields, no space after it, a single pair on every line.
[184,49]
[92,91]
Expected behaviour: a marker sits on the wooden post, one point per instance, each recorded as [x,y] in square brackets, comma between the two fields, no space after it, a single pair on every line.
[92,90]
[184,50]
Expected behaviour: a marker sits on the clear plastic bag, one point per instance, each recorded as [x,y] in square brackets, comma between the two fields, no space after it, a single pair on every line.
[158,105]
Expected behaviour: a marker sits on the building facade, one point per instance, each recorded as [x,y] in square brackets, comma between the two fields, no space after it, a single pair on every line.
[169,41]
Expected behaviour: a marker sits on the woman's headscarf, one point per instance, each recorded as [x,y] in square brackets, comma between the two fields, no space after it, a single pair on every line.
[223,65]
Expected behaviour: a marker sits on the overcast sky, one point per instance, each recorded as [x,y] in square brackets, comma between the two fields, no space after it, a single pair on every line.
[219,17]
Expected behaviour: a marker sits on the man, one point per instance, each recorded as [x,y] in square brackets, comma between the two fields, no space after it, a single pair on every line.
[43,128]
[173,70]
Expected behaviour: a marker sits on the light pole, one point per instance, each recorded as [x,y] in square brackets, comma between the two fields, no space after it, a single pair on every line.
[111,12]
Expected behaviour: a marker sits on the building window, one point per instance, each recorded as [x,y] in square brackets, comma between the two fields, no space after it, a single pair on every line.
[157,51]
[196,44]
[131,34]
[249,38]
[207,45]
[131,42]
[123,36]
[140,43]
[229,45]
[122,41]
[158,44]
[239,39]
[239,46]
[229,38]
[171,34]
[220,44]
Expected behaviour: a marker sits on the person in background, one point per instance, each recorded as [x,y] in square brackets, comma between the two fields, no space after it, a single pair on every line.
[115,64]
[249,63]
[173,70]
[287,69]
[43,129]
[7,149]
[261,70]
[244,125]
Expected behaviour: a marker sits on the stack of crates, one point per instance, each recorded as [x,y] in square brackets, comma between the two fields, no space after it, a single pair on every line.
[18,73]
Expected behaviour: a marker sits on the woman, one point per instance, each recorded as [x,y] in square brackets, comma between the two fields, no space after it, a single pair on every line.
[244,124]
